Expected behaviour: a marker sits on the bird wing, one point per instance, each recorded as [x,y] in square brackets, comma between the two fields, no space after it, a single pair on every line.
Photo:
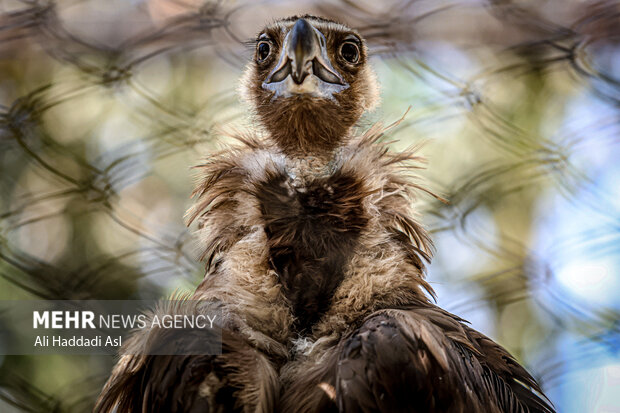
[425,359]
[241,378]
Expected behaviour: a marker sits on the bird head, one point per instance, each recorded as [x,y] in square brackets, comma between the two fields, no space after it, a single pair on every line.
[309,82]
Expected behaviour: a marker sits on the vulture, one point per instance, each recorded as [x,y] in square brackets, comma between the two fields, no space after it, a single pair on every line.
[313,250]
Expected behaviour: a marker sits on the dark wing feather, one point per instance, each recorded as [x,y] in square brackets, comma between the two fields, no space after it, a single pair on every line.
[239,379]
[426,360]
[503,367]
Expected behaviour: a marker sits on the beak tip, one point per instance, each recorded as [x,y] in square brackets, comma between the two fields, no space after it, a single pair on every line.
[298,78]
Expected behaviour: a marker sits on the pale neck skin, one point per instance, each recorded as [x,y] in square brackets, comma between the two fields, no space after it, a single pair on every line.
[304,169]
[313,160]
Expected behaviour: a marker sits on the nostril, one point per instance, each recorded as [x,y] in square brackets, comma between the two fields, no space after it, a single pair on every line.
[281,74]
[322,73]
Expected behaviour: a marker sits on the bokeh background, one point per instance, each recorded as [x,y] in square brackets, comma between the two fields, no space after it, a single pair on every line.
[105,106]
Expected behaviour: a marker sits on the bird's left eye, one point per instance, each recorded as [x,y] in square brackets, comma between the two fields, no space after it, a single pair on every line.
[262,51]
[350,52]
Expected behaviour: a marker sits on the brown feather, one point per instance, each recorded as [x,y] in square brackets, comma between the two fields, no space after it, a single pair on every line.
[313,248]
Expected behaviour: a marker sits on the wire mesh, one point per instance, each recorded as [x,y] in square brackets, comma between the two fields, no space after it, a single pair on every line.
[105,106]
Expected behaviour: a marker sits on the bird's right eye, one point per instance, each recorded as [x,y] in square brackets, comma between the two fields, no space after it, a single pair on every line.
[350,52]
[262,51]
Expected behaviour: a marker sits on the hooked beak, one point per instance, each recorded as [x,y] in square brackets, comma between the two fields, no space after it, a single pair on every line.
[304,55]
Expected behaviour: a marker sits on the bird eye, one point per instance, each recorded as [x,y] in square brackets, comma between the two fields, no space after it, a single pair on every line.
[350,52]
[262,51]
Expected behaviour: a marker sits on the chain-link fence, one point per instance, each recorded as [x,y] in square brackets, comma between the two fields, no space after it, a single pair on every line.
[105,106]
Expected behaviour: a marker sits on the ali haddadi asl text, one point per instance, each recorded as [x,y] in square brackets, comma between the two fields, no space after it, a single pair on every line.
[75,341]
